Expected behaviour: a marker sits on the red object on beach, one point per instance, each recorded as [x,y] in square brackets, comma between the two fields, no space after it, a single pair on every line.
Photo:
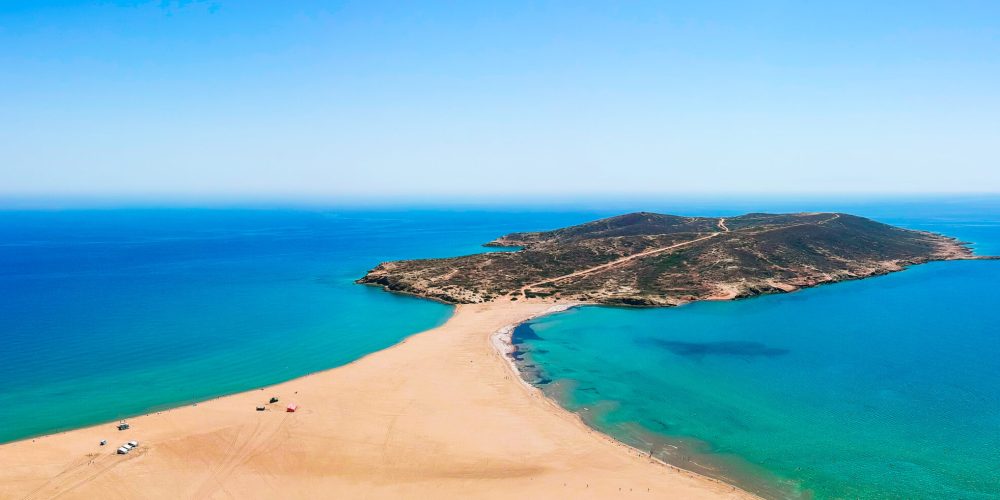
[292,407]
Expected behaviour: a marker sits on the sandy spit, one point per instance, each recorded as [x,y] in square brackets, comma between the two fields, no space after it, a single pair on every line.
[440,415]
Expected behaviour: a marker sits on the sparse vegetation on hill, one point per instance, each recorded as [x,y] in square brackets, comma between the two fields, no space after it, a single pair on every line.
[653,259]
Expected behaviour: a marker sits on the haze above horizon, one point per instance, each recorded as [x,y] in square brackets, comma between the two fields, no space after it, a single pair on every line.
[462,99]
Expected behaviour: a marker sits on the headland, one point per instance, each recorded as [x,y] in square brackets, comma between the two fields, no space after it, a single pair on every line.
[649,259]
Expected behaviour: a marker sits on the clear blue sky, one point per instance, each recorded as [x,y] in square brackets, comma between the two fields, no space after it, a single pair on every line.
[327,99]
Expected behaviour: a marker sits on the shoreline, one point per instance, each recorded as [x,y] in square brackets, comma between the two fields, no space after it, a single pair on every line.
[393,423]
[502,342]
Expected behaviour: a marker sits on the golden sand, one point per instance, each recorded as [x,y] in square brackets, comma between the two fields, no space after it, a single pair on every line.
[439,415]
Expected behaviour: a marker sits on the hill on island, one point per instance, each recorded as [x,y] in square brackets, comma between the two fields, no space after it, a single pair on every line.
[654,259]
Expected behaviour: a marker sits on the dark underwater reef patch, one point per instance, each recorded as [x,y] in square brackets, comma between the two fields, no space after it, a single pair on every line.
[523,332]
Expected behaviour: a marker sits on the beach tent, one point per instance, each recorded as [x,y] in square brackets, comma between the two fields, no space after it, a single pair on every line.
[292,407]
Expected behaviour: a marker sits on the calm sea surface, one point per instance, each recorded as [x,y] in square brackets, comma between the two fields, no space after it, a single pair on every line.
[112,313]
[881,388]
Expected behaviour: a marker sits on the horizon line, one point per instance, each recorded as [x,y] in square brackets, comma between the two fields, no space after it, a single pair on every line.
[609,199]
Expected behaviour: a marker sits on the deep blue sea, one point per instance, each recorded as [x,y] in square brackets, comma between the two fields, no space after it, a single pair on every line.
[112,313]
[880,388]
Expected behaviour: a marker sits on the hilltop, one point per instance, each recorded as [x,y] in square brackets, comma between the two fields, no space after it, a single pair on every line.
[655,259]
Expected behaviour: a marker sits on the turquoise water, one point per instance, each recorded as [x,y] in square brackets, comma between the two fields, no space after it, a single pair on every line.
[111,313]
[880,388]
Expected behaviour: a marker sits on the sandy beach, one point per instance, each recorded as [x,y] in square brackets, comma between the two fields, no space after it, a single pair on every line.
[439,415]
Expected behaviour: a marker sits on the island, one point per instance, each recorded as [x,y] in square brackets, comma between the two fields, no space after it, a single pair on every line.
[650,259]
[445,413]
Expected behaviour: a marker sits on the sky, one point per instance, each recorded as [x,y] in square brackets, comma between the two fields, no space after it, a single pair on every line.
[370,99]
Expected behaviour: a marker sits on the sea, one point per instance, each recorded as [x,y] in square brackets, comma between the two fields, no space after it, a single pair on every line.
[880,388]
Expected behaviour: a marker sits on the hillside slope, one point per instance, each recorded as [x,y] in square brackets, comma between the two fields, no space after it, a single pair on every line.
[654,259]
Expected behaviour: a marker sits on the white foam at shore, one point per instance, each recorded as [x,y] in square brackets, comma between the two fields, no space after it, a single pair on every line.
[503,339]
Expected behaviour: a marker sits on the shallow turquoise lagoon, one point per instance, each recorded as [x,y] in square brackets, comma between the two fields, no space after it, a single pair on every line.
[880,388]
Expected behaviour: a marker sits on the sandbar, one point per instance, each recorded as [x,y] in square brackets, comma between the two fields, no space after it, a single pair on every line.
[439,415]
